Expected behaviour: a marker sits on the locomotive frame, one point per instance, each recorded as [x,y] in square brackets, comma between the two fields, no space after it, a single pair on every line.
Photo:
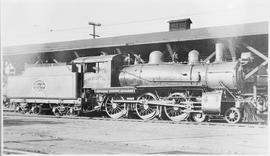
[151,101]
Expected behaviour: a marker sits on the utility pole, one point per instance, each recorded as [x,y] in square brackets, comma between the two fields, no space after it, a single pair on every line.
[94,29]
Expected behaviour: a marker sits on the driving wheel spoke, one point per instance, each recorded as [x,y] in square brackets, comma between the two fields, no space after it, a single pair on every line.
[114,110]
[176,113]
[144,110]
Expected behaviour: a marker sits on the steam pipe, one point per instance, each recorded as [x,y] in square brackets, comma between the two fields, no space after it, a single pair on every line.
[219,52]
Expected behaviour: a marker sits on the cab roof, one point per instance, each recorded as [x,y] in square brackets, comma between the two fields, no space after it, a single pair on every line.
[92,59]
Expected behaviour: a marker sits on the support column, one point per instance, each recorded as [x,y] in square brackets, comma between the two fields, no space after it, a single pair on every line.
[209,57]
[118,51]
[258,54]
[76,54]
[170,51]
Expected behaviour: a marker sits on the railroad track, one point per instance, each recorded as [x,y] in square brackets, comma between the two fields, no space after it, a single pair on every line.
[211,123]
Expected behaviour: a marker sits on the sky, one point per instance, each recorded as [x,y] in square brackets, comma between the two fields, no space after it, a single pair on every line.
[41,21]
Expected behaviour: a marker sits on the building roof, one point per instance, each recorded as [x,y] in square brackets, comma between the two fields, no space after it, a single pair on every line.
[180,20]
[248,29]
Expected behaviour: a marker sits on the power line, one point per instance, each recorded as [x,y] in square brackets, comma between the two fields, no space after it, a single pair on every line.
[180,16]
[52,30]
[152,19]
[74,28]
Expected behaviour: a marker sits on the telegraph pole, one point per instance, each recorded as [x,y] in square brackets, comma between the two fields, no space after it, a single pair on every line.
[94,29]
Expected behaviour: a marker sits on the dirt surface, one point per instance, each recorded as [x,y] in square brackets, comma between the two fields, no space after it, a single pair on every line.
[76,136]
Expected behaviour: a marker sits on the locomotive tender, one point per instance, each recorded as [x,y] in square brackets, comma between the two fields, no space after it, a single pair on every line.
[155,89]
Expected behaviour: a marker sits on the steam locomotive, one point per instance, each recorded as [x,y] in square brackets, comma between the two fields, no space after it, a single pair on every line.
[173,90]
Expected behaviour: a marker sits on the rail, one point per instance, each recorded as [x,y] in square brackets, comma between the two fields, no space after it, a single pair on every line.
[212,123]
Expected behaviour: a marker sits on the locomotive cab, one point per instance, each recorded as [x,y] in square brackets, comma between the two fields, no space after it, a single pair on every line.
[99,71]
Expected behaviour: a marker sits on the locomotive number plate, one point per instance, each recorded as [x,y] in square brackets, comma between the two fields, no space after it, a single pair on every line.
[39,85]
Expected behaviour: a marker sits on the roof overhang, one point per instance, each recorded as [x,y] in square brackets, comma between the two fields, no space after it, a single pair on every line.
[260,28]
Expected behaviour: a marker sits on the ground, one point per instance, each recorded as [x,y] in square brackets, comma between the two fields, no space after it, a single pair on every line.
[87,136]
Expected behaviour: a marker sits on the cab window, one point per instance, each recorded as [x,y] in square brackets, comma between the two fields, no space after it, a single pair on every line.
[98,67]
[90,68]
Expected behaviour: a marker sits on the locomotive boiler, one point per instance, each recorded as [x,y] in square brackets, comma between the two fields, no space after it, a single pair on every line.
[158,73]
[172,90]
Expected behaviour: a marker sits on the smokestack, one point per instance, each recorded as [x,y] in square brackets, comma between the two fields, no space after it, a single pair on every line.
[219,52]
